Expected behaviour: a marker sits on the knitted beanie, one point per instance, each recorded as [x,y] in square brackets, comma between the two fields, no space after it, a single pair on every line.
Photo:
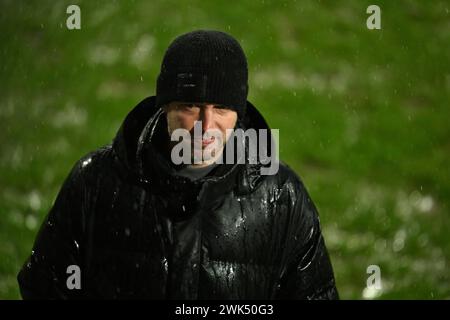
[204,66]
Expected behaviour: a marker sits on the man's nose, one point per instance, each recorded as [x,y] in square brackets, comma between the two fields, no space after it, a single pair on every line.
[207,117]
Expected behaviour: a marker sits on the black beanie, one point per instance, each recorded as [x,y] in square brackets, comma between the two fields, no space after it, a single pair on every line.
[204,66]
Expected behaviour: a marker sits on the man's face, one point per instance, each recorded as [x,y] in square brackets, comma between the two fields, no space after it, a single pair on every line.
[215,120]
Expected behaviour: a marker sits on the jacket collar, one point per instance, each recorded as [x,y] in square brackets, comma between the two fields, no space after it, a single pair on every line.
[138,149]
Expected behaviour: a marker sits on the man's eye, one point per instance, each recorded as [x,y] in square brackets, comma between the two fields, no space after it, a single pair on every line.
[187,106]
[221,110]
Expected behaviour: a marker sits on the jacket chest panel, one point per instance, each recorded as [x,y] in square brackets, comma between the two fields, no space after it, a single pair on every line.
[126,254]
[243,230]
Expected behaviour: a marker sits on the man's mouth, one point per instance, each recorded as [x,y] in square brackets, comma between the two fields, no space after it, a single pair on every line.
[204,142]
[207,141]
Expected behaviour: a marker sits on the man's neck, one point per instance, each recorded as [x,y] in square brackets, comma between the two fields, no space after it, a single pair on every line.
[195,172]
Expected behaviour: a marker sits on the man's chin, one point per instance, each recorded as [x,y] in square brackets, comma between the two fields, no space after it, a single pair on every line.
[206,157]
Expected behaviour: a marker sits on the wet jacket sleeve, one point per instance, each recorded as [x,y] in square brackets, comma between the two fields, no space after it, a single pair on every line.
[309,273]
[56,248]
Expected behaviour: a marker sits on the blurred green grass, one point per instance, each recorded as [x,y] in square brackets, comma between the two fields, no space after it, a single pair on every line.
[363,116]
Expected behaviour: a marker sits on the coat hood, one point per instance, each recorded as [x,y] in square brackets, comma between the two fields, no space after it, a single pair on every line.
[139,149]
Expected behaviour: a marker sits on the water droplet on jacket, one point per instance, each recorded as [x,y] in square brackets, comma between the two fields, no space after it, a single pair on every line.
[165,264]
[86,162]
[239,222]
[231,274]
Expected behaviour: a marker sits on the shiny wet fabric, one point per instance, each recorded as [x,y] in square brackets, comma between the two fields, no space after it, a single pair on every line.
[137,230]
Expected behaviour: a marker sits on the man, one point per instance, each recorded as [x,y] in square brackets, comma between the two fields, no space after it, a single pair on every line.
[131,223]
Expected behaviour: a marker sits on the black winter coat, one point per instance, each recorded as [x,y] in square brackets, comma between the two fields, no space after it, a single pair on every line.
[136,230]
